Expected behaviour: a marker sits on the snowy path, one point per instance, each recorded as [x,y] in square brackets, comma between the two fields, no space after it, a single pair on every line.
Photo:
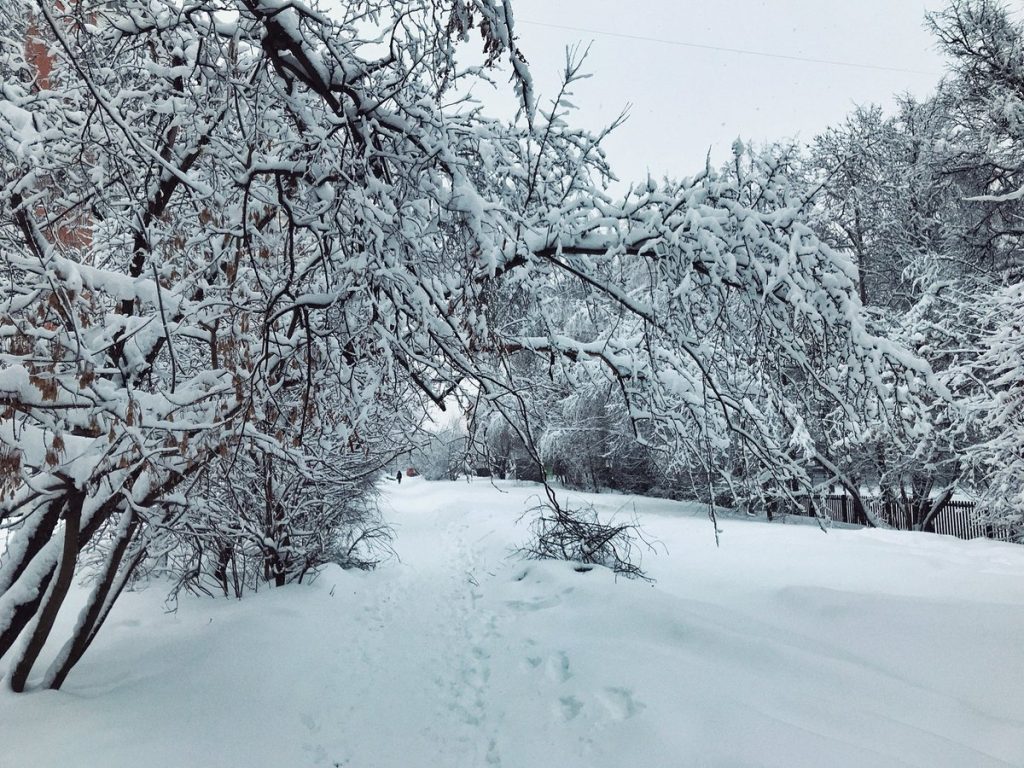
[786,647]
[430,643]
[453,628]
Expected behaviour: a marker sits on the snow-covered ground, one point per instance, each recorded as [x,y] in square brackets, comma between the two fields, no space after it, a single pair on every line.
[786,646]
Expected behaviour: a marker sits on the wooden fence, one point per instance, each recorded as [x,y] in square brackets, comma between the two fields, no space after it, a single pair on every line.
[958,518]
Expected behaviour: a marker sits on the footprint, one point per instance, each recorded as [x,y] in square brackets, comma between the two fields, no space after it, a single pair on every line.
[557,667]
[536,604]
[620,703]
[569,707]
[315,750]
[493,757]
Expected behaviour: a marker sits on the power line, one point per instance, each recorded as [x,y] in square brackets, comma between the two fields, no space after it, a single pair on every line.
[744,51]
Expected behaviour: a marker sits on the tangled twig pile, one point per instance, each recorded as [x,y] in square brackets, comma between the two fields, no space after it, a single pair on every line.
[579,535]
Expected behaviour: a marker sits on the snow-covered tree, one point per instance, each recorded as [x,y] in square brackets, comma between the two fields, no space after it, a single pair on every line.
[239,236]
[443,454]
[999,412]
[986,156]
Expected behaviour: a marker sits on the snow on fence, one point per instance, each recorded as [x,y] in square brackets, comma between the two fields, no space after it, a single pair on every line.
[958,518]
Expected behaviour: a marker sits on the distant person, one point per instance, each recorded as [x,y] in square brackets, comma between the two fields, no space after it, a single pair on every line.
[398,477]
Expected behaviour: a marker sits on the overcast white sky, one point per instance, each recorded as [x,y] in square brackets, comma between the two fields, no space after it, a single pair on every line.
[688,100]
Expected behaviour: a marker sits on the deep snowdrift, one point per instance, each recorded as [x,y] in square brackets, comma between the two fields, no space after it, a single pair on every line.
[786,646]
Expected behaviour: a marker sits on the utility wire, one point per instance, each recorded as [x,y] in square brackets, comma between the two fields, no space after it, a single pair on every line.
[744,51]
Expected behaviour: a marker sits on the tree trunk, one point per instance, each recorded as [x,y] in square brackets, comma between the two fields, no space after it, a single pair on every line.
[41,533]
[60,583]
[220,572]
[939,505]
[862,513]
[29,597]
[100,602]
